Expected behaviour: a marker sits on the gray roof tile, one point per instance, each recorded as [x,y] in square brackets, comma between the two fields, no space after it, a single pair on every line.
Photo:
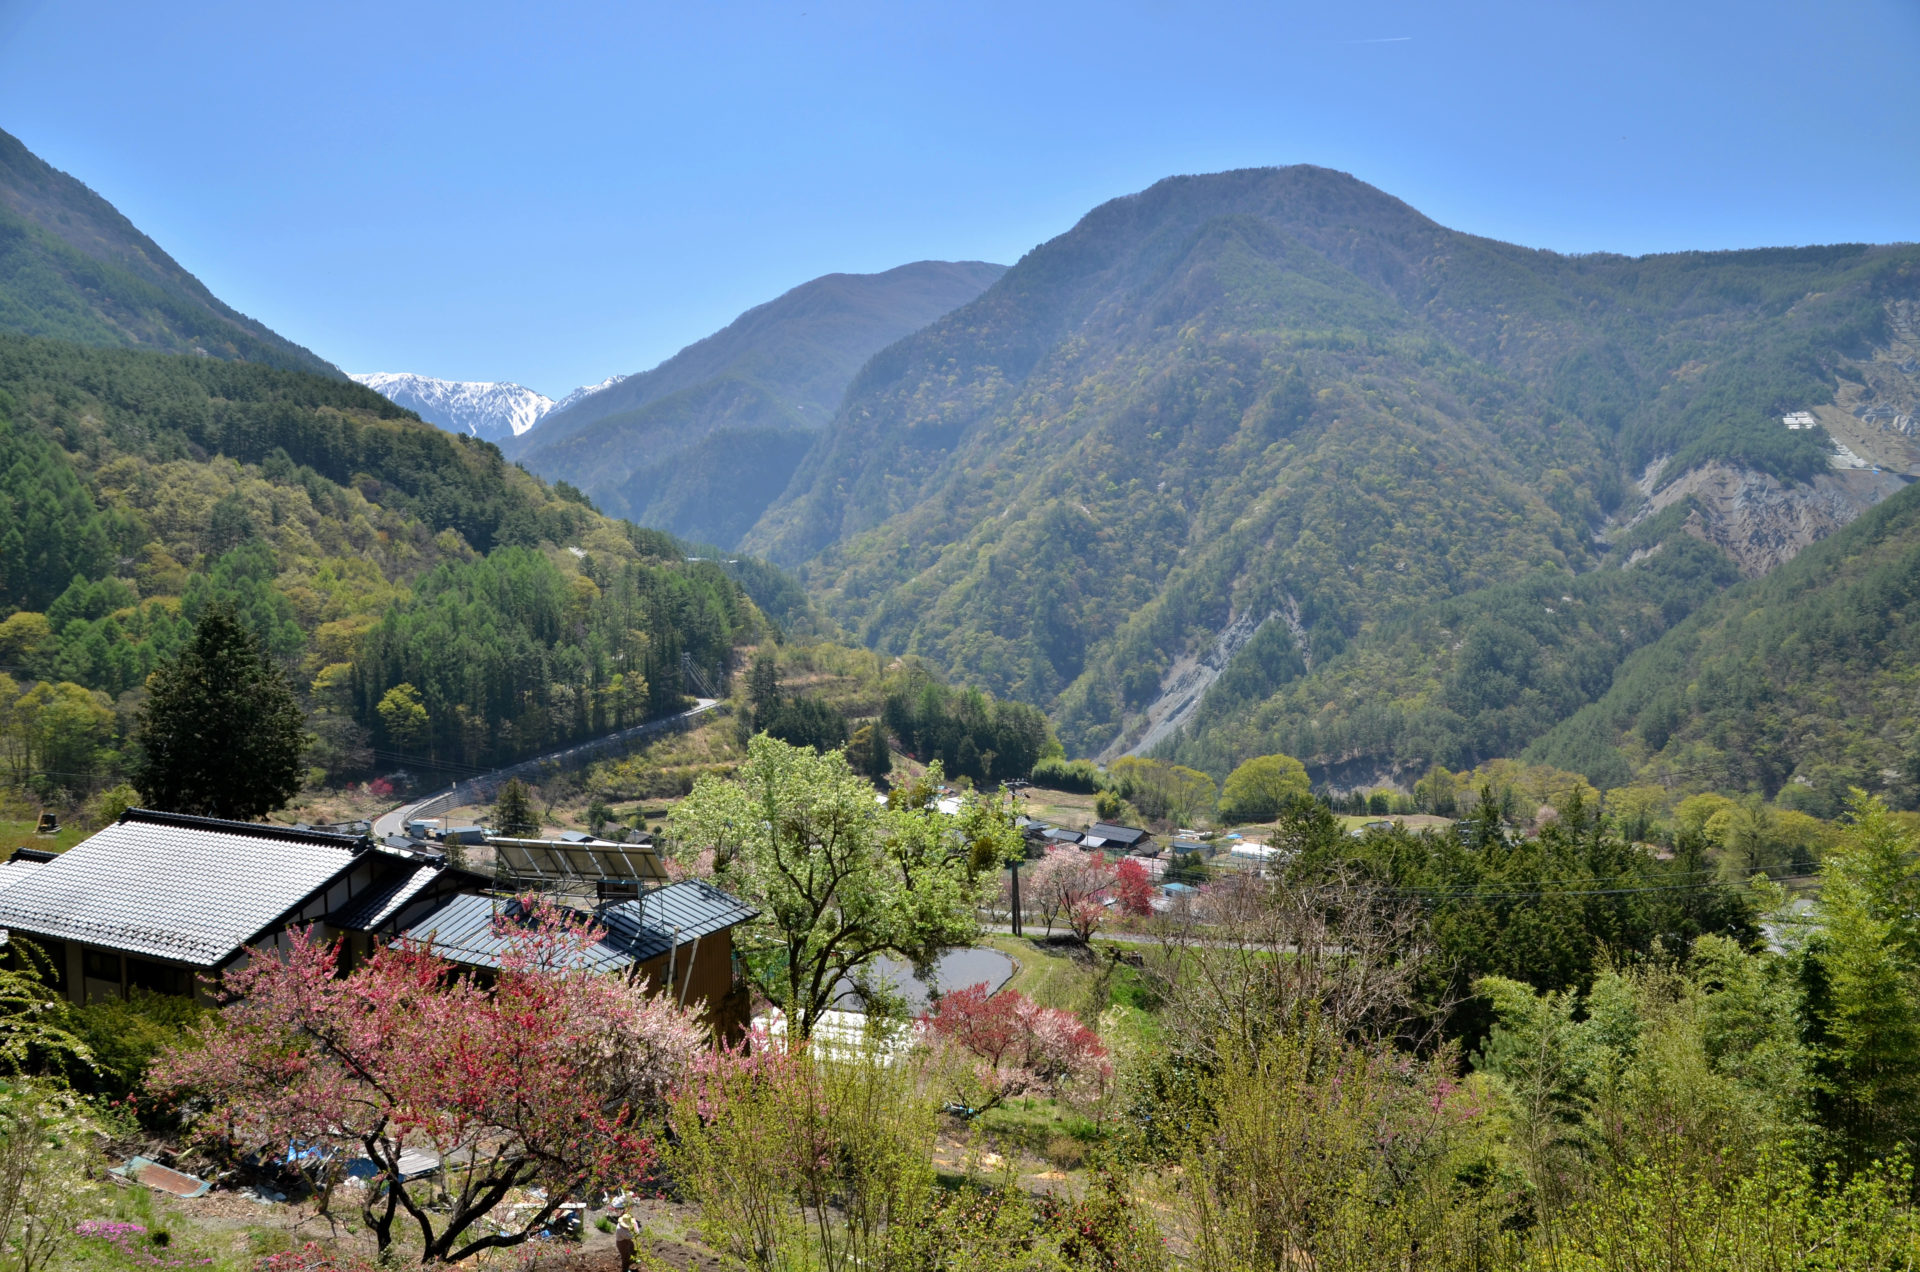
[192,890]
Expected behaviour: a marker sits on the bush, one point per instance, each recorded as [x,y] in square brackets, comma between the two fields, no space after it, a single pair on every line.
[1069,775]
[126,1036]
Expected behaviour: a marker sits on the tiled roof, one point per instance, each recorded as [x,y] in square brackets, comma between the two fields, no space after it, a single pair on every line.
[190,889]
[12,872]
[468,929]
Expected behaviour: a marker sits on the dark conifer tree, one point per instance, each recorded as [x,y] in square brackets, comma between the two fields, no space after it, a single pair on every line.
[222,734]
[513,815]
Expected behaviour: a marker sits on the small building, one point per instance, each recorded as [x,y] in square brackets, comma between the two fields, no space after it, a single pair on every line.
[157,900]
[1118,838]
[678,938]
[1057,836]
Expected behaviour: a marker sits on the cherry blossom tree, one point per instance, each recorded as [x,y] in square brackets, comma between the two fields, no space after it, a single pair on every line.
[1071,885]
[1016,1046]
[549,1077]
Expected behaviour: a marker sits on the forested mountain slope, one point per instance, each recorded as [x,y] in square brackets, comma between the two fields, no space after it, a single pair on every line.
[71,266]
[438,606]
[702,443]
[1238,423]
[1800,684]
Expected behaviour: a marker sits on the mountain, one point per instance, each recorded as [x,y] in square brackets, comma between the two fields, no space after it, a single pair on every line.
[568,402]
[1797,685]
[478,408]
[706,440]
[72,267]
[1245,439]
[440,609]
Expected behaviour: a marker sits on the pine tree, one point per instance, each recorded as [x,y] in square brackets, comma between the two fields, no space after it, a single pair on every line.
[513,816]
[763,689]
[879,754]
[222,734]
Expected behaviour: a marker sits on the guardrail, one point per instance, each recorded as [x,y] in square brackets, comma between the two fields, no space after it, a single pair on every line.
[474,790]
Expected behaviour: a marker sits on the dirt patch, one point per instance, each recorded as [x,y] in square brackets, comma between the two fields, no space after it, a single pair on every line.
[1761,522]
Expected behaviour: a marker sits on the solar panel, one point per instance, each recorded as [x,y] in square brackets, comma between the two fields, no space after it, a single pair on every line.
[600,862]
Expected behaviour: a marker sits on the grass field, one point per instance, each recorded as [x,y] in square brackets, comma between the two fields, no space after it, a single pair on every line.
[20,834]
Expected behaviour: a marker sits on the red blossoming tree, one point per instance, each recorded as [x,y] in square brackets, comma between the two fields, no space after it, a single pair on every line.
[1017,1047]
[551,1077]
[1132,888]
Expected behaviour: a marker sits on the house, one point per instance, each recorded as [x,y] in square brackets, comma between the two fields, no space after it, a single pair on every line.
[678,938]
[1058,836]
[1124,839]
[158,899]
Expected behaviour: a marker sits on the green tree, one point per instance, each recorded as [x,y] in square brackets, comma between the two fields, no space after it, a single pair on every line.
[763,687]
[838,879]
[45,1174]
[403,715]
[806,721]
[221,734]
[1162,791]
[1261,787]
[513,814]
[1867,957]
[879,754]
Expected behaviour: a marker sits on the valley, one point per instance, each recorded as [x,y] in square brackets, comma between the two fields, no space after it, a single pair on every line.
[1275,731]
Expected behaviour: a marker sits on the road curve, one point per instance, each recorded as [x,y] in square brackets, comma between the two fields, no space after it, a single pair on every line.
[394,822]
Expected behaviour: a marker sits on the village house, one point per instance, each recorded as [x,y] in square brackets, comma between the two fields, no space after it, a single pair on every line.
[1105,837]
[157,901]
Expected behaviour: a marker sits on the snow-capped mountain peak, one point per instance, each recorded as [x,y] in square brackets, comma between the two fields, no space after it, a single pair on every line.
[485,409]
[586,390]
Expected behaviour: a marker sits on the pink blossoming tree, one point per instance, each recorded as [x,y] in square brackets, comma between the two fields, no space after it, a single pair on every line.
[550,1077]
[1073,886]
[1016,1047]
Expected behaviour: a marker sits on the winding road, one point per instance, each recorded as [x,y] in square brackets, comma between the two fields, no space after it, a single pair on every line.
[395,821]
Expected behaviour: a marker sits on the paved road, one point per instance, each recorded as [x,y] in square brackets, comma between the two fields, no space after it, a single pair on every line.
[395,821]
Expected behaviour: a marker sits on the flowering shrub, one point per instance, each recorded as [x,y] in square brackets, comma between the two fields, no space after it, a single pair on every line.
[311,1257]
[137,1245]
[1017,1046]
[546,1079]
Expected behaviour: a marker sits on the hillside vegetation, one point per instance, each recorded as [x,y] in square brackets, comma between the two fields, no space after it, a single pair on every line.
[1281,398]
[438,606]
[71,266]
[1800,683]
[701,444]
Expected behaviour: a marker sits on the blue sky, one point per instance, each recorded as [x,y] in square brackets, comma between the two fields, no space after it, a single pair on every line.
[552,193]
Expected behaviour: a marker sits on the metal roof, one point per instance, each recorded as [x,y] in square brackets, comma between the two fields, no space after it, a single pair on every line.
[389,896]
[1118,834]
[647,925]
[472,929]
[189,889]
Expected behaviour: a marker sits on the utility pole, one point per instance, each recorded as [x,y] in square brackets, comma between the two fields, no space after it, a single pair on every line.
[1014,866]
